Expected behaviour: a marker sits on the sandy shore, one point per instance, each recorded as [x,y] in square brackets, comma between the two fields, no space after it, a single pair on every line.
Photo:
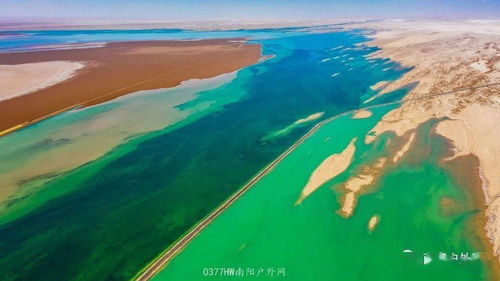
[331,167]
[111,71]
[445,56]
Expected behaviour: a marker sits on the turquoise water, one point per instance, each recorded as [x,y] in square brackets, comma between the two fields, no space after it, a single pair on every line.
[107,219]
[265,236]
[87,134]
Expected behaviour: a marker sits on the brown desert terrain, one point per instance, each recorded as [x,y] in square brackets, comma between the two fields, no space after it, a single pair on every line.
[108,72]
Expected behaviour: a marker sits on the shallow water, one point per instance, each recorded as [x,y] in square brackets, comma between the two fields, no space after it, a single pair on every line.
[108,218]
[49,148]
[265,236]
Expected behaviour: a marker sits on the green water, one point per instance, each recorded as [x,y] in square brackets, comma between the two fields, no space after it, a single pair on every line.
[40,152]
[264,229]
[108,218]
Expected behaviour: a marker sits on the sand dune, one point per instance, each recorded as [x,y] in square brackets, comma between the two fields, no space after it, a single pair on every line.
[328,169]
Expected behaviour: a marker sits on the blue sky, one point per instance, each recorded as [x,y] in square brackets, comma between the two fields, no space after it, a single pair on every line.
[247,9]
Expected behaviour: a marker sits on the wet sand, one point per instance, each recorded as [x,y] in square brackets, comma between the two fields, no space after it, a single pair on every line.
[120,68]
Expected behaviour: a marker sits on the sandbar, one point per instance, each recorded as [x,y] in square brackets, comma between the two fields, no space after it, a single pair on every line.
[309,118]
[20,79]
[380,85]
[401,152]
[355,185]
[294,125]
[331,167]
[373,222]
[361,114]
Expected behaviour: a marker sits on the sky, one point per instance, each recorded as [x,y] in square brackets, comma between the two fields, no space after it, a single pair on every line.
[247,10]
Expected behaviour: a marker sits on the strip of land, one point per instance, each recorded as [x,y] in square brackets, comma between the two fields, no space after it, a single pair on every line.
[110,71]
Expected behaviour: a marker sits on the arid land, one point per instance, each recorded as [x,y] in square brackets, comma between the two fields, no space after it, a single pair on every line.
[84,77]
[446,56]
[47,82]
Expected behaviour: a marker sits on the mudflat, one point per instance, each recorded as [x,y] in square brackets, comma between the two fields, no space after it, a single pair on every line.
[120,68]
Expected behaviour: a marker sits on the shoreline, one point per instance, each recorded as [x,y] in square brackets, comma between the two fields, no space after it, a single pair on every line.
[465,173]
[120,68]
[475,226]
[426,46]
[98,133]
[158,263]
[329,168]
